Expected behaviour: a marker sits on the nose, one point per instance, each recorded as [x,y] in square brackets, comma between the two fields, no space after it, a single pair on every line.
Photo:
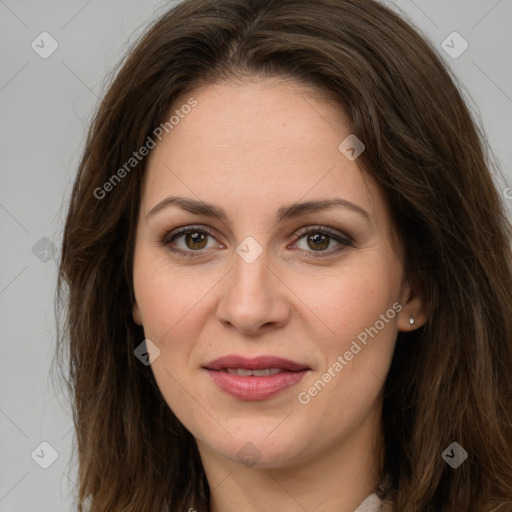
[254,298]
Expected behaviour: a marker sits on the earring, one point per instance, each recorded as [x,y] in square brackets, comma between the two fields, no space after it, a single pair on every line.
[411,320]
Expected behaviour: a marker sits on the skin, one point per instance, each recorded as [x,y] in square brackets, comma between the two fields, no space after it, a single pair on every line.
[252,147]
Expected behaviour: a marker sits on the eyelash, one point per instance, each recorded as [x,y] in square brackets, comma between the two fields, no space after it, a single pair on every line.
[344,241]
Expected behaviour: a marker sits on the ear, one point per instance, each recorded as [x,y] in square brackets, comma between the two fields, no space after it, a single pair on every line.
[413,308]
[137,317]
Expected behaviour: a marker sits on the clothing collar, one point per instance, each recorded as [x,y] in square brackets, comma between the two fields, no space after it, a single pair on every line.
[375,502]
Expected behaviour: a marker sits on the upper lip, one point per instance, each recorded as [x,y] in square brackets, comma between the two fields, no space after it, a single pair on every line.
[254,363]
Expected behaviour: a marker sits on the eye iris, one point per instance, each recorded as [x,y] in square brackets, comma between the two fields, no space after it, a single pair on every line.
[320,241]
[197,239]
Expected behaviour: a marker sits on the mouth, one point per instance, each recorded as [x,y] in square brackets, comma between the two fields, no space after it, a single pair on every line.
[244,372]
[255,378]
[255,364]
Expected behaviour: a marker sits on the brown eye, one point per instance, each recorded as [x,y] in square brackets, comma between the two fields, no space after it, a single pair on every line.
[188,241]
[319,240]
[195,240]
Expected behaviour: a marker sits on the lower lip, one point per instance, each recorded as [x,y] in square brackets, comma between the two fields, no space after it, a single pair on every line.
[255,388]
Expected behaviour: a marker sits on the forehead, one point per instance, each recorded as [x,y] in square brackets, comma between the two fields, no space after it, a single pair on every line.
[246,140]
[263,112]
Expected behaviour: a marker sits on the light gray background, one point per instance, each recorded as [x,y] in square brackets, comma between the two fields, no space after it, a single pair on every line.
[46,106]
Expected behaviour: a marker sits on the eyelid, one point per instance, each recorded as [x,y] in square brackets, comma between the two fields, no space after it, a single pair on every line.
[169,235]
[333,233]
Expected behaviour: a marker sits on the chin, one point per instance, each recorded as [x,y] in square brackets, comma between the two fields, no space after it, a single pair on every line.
[254,447]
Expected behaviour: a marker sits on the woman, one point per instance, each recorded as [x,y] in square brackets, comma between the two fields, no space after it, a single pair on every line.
[288,272]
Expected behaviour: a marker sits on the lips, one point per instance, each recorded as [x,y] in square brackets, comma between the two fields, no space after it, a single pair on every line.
[254,378]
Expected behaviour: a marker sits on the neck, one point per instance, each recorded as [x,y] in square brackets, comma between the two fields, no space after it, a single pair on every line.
[337,480]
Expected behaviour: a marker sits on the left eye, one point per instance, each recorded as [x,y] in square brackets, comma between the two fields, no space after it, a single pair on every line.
[318,240]
[195,240]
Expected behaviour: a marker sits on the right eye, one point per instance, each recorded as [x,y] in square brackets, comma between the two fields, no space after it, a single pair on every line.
[193,240]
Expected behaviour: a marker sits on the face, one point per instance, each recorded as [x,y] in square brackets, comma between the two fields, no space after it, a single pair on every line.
[249,263]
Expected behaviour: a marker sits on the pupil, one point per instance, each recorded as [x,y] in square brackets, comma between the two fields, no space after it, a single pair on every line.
[319,241]
[196,238]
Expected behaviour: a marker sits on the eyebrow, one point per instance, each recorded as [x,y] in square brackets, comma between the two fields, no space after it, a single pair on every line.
[284,213]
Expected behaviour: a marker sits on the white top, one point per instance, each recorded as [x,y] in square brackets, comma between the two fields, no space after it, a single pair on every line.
[373,504]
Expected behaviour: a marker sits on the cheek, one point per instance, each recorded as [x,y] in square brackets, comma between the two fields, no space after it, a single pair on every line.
[168,298]
[356,356]
[352,299]
[360,307]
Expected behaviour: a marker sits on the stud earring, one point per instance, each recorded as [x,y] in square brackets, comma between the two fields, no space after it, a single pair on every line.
[411,320]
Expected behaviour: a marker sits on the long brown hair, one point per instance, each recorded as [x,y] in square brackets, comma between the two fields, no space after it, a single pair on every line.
[450,381]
